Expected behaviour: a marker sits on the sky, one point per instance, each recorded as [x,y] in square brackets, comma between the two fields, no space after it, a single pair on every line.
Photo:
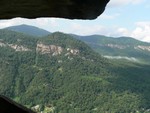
[121,18]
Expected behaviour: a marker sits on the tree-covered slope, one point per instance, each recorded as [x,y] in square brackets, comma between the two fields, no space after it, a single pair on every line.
[60,74]
[30,30]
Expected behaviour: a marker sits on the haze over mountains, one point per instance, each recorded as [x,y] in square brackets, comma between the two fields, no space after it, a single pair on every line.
[126,48]
[59,73]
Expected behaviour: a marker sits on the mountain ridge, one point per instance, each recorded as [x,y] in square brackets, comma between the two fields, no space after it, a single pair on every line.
[17,27]
[116,47]
[120,47]
[30,30]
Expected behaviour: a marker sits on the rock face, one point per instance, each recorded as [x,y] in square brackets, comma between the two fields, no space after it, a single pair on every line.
[71,9]
[14,46]
[49,49]
[55,50]
[145,48]
[72,51]
[18,48]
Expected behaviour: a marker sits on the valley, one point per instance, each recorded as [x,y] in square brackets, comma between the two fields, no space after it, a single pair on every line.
[63,73]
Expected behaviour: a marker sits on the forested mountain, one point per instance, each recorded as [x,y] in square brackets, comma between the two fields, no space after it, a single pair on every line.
[60,74]
[122,48]
[30,30]
[118,48]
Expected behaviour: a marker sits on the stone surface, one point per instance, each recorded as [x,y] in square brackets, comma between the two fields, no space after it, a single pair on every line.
[49,49]
[14,46]
[71,9]
[9,106]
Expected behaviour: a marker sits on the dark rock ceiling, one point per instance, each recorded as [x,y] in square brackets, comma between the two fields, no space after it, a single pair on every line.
[71,9]
[9,106]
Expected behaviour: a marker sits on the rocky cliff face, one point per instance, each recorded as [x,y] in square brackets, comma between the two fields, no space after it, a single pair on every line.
[72,51]
[55,50]
[71,9]
[14,46]
[49,49]
[140,47]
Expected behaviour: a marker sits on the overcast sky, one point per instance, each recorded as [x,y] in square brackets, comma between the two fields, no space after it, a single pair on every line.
[121,18]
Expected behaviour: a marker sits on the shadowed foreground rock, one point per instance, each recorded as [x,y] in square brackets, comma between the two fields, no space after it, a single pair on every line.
[71,9]
[9,106]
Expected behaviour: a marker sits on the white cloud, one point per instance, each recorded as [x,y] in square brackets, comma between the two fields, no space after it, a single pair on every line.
[46,22]
[142,31]
[123,31]
[4,24]
[132,59]
[7,23]
[119,3]
[80,29]
[15,21]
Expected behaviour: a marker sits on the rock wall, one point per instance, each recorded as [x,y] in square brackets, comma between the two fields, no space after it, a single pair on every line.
[14,46]
[49,49]
[71,9]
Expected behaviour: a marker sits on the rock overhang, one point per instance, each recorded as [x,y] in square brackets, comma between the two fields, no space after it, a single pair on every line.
[70,9]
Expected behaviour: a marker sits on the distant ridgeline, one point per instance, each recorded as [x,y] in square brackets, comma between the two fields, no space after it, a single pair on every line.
[125,48]
[30,30]
[60,74]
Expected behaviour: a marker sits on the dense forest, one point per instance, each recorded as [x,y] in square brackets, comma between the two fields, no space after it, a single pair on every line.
[60,74]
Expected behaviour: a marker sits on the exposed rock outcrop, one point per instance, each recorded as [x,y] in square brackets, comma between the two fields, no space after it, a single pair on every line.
[49,49]
[2,44]
[72,51]
[19,48]
[140,47]
[14,46]
[71,9]
[55,50]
